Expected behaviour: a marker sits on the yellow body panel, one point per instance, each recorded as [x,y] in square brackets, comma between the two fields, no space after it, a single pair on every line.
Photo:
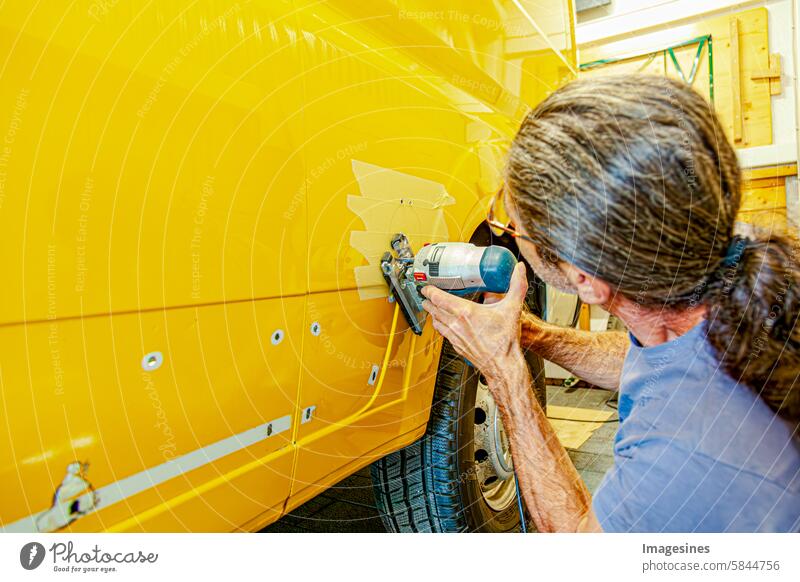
[213,182]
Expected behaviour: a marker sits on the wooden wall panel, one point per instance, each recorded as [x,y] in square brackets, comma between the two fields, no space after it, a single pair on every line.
[714,79]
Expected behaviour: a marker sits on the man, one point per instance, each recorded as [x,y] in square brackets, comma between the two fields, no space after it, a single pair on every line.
[625,191]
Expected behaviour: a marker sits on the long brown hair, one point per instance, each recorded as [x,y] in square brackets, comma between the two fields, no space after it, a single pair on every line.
[632,179]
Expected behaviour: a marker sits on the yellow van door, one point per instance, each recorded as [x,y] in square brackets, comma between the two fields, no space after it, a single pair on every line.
[153,223]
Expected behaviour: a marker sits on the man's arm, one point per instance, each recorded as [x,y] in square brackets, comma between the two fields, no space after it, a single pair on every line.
[489,337]
[595,357]
[554,492]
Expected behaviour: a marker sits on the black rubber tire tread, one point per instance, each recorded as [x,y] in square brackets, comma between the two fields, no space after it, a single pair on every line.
[417,488]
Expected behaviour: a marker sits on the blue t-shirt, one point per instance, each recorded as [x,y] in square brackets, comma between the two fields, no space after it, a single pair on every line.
[695,451]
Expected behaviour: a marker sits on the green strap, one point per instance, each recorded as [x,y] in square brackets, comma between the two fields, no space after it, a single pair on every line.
[601,62]
[701,40]
[676,63]
[695,63]
[647,62]
[710,71]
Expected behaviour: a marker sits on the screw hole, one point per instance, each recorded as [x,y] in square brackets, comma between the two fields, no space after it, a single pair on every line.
[481,455]
[490,480]
[152,361]
[480,416]
[269,429]
[373,375]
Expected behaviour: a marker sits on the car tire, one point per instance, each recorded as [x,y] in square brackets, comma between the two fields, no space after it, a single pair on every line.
[439,483]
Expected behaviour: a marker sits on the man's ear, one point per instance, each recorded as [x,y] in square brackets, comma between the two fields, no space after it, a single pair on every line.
[590,289]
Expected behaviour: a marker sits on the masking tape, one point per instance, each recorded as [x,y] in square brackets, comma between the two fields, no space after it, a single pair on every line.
[392,202]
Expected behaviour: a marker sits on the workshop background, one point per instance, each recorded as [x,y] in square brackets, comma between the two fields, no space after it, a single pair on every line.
[741,56]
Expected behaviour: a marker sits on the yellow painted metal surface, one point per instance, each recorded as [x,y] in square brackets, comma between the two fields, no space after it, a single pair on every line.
[204,180]
[75,390]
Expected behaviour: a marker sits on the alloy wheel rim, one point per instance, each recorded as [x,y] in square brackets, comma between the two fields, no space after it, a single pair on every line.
[494,468]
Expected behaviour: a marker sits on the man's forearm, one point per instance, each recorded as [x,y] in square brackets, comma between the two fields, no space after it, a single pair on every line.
[595,357]
[555,495]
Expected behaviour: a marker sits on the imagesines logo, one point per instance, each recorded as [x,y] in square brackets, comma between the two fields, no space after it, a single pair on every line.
[31,555]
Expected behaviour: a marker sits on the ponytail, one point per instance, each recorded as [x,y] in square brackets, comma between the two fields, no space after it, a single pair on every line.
[752,324]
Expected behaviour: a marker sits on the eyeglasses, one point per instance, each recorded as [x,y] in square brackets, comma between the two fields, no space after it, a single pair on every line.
[498,219]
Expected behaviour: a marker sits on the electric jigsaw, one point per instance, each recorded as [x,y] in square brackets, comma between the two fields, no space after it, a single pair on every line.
[456,267]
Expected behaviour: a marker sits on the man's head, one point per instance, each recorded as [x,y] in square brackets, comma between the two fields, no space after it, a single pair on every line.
[629,180]
[630,190]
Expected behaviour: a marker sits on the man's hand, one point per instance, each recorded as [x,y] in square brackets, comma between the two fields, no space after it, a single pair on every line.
[487,335]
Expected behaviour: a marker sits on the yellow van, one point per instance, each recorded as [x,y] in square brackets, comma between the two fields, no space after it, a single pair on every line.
[194,199]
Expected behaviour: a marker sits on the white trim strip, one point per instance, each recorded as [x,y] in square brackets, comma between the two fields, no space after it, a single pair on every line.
[768,155]
[149,478]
